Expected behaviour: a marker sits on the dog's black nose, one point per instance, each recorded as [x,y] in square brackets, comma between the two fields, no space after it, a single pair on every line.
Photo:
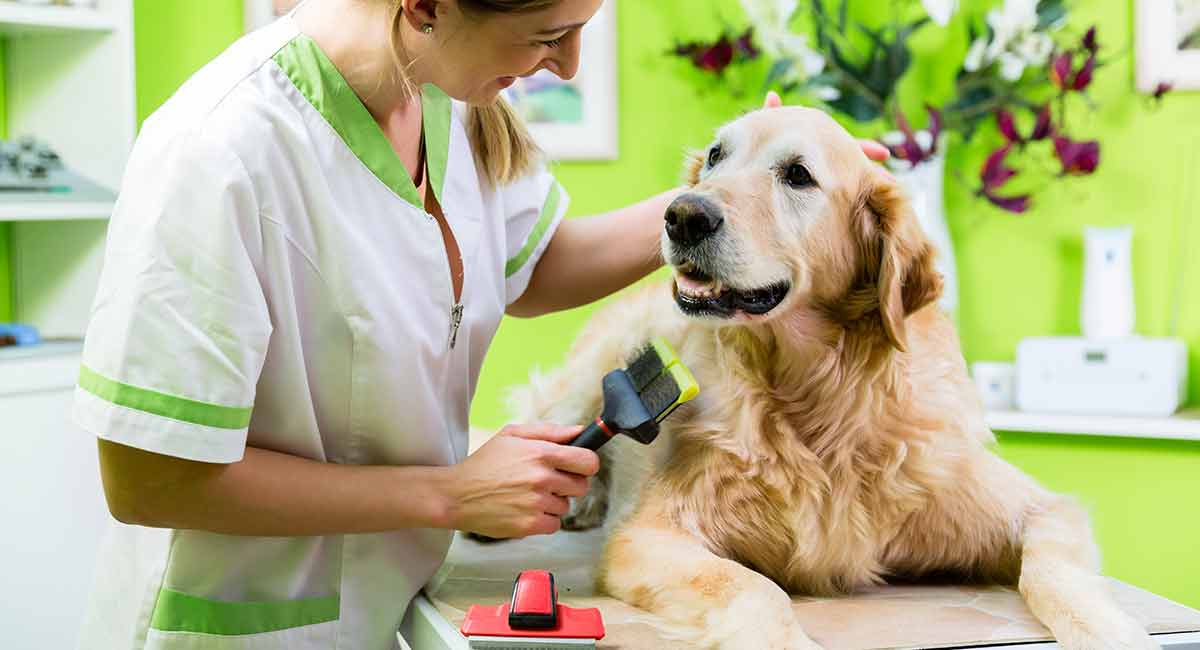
[691,219]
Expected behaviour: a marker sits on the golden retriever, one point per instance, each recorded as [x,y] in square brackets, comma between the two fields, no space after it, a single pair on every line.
[837,441]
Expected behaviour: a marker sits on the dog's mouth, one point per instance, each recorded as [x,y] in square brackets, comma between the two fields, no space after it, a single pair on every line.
[698,294]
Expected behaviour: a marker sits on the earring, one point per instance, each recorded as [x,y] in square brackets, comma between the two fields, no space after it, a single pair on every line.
[427,28]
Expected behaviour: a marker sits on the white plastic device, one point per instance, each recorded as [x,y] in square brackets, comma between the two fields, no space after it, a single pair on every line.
[1132,376]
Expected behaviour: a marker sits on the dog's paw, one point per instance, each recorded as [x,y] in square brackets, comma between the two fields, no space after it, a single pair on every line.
[587,512]
[770,637]
[1117,631]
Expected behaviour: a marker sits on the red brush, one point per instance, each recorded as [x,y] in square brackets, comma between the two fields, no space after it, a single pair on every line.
[534,619]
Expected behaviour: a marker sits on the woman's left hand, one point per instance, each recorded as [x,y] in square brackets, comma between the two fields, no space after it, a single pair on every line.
[874,150]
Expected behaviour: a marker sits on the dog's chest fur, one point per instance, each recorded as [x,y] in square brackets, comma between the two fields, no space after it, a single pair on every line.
[773,472]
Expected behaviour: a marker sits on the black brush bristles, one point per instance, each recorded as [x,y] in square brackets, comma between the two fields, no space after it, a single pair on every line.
[661,395]
[645,367]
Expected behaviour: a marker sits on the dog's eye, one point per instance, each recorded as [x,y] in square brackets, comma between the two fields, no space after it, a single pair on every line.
[797,176]
[714,155]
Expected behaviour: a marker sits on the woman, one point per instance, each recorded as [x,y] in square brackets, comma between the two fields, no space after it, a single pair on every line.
[316,239]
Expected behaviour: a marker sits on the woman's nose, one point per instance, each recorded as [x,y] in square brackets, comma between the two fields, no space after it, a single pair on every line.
[565,62]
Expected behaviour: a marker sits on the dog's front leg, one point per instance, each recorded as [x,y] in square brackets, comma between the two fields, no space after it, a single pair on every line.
[1061,584]
[711,601]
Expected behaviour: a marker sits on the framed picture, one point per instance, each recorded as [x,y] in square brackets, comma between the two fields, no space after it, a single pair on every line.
[1168,44]
[577,119]
[263,12]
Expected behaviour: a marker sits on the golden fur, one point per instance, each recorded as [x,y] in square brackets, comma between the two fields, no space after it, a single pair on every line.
[836,442]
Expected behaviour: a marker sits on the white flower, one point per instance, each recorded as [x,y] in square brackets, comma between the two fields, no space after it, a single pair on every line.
[826,93]
[974,59]
[940,10]
[1035,48]
[1016,41]
[1011,66]
[767,15]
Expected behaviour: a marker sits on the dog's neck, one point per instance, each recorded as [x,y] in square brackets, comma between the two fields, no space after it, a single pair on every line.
[810,365]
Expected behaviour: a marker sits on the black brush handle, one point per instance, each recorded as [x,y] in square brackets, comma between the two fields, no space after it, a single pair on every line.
[593,437]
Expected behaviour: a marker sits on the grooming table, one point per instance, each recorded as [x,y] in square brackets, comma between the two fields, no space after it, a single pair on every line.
[891,617]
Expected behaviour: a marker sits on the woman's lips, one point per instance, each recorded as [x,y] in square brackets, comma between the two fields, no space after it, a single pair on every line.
[505,82]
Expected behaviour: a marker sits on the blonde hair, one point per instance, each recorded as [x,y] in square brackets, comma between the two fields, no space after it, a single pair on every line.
[503,147]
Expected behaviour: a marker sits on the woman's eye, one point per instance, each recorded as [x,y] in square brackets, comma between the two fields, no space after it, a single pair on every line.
[554,43]
[797,176]
[714,155]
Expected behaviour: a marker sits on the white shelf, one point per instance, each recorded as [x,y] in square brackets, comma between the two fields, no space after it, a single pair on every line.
[32,19]
[1181,426]
[52,365]
[57,210]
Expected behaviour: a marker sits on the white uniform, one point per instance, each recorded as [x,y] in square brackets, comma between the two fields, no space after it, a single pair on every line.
[271,280]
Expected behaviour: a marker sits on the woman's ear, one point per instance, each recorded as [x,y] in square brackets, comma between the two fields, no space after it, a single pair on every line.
[419,13]
[906,278]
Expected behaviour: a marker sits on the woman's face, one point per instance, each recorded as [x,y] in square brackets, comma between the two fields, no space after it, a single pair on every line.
[478,56]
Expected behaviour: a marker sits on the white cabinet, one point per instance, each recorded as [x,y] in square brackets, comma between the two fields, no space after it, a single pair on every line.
[68,81]
[53,509]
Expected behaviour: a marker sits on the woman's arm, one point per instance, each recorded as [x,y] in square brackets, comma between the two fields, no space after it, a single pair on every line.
[592,257]
[515,485]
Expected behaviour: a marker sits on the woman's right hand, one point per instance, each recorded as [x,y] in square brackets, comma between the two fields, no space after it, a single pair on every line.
[518,482]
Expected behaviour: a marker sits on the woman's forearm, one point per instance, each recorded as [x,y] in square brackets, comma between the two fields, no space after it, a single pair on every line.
[592,257]
[269,493]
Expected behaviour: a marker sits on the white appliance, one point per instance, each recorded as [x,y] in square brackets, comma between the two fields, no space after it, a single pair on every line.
[1132,376]
[53,510]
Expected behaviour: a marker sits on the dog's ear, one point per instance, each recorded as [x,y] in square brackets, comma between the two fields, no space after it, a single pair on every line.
[903,256]
[692,166]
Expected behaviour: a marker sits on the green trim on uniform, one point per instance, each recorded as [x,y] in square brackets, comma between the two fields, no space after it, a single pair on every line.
[549,210]
[315,76]
[179,612]
[435,111]
[168,406]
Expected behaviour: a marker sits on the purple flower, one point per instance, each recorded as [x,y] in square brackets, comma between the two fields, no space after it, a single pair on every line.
[1017,204]
[935,127]
[1008,127]
[1044,127]
[1077,158]
[1061,70]
[1006,123]
[995,173]
[745,45]
[1162,89]
[911,150]
[1089,40]
[1083,78]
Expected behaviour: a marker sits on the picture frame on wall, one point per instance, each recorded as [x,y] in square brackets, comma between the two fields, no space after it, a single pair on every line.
[576,119]
[260,13]
[1168,44]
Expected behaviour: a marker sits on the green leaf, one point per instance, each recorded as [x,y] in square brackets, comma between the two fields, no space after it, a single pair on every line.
[1050,12]
[778,70]
[856,106]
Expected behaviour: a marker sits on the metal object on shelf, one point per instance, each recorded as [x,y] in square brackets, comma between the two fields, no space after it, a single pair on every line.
[32,172]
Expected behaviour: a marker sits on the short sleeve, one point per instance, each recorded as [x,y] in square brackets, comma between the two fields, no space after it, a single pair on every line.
[534,206]
[179,327]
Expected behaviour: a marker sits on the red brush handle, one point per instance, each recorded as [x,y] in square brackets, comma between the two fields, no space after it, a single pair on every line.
[534,601]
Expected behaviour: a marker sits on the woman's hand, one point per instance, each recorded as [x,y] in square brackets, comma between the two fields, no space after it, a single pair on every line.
[518,482]
[874,150]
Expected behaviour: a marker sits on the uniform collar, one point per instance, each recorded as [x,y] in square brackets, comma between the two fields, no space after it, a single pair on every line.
[315,76]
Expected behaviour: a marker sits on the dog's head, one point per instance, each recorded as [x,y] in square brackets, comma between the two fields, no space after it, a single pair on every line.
[785,213]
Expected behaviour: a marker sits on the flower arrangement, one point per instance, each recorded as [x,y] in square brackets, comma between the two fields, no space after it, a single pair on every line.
[1024,70]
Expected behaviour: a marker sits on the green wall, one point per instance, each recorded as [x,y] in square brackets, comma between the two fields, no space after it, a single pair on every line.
[1019,276]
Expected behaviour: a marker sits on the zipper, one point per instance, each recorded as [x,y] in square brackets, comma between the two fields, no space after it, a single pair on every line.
[456,314]
[456,311]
